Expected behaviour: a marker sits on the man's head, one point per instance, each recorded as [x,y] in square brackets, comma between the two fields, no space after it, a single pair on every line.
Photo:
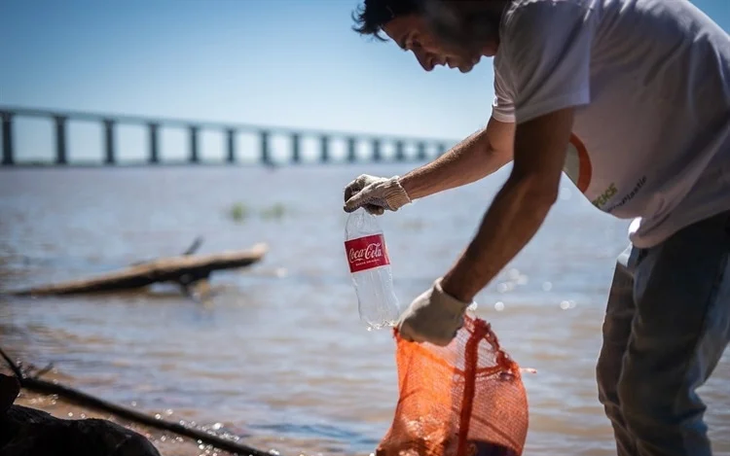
[438,32]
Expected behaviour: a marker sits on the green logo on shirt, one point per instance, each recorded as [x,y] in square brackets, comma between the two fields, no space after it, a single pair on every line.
[609,193]
[604,197]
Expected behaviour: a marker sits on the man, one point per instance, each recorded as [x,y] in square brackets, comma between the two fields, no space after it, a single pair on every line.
[631,99]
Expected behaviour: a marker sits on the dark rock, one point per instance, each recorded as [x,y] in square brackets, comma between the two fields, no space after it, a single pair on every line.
[29,432]
[9,390]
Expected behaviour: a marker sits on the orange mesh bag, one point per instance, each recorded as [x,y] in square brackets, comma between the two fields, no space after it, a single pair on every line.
[465,399]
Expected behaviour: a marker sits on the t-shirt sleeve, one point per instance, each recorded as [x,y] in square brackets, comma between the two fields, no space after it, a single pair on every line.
[547,47]
[503,108]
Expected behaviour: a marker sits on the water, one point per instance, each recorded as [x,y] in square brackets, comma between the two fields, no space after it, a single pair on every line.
[278,354]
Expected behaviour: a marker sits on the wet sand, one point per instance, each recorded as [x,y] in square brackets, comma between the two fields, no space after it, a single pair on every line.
[167,443]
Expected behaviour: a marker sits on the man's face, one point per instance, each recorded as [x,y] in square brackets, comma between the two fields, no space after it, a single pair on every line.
[411,33]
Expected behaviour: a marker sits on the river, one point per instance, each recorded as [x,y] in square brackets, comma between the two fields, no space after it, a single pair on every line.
[277,354]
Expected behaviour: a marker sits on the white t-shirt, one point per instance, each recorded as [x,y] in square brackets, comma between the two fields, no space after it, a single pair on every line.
[650,80]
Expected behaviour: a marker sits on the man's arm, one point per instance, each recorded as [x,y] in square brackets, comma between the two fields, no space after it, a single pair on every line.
[476,157]
[519,208]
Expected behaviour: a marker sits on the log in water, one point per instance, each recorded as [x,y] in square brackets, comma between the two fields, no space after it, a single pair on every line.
[184,270]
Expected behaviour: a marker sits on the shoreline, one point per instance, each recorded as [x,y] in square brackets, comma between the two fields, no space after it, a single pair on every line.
[167,443]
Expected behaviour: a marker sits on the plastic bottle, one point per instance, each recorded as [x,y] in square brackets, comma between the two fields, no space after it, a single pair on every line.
[370,269]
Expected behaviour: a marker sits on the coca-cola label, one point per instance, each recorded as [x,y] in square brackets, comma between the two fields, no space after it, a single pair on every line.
[366,252]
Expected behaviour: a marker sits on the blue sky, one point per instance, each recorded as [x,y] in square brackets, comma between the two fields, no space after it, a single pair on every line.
[273,62]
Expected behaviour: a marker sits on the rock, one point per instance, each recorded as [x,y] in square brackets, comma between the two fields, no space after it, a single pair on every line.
[29,432]
[9,390]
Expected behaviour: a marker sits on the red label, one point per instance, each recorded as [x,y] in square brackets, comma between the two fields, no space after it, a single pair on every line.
[366,252]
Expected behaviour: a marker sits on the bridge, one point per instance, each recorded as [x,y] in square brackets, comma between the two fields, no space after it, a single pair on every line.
[403,149]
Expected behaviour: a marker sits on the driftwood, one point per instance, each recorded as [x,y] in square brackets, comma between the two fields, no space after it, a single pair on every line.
[33,383]
[184,270]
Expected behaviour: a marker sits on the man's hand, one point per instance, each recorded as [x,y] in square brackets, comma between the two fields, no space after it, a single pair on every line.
[375,194]
[433,317]
[477,156]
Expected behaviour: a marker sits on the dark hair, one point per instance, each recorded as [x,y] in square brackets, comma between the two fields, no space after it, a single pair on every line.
[372,15]
[467,24]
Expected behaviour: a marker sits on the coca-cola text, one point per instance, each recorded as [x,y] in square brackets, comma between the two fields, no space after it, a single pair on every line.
[366,252]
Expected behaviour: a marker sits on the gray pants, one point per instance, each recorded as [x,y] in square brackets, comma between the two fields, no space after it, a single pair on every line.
[667,324]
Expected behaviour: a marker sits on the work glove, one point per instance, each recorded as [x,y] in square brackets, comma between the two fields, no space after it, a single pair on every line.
[375,194]
[433,317]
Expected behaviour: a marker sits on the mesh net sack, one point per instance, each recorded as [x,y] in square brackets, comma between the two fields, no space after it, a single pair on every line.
[465,399]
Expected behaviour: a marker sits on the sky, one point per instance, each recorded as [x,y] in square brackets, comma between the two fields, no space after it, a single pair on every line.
[290,63]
